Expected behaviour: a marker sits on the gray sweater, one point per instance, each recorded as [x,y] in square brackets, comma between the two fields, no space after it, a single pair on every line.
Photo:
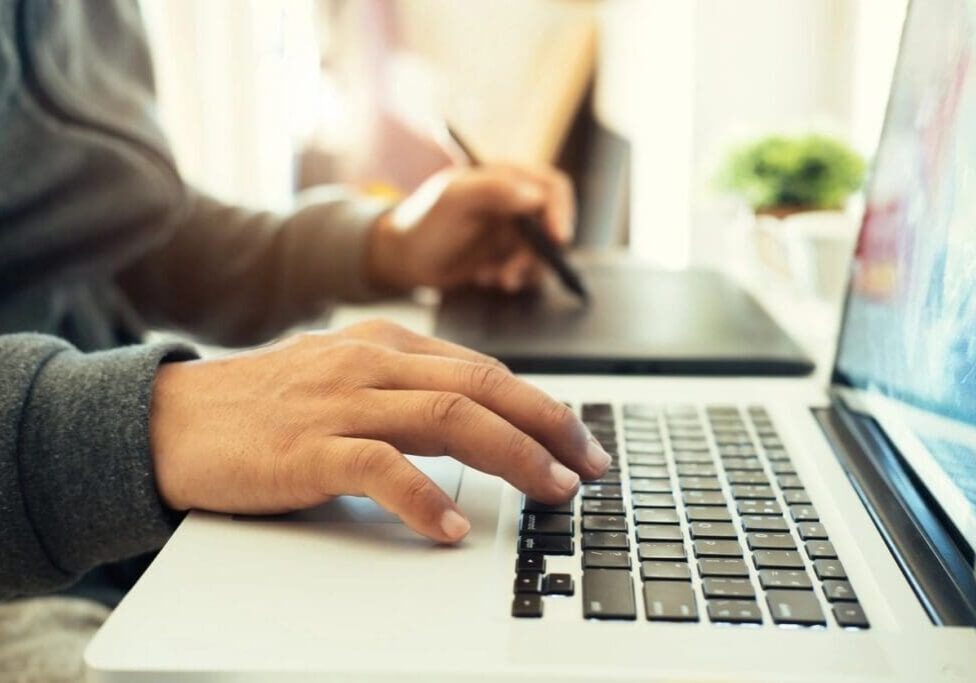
[99,239]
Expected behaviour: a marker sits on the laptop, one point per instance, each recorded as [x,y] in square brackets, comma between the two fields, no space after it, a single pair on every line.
[751,529]
[639,320]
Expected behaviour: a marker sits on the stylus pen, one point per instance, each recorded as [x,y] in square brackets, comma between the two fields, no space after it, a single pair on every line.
[531,230]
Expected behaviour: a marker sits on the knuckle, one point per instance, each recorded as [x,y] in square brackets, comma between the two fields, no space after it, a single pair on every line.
[557,416]
[487,379]
[448,408]
[415,490]
[370,460]
[520,445]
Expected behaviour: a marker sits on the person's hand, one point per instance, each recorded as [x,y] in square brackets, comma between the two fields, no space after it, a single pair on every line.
[292,425]
[458,229]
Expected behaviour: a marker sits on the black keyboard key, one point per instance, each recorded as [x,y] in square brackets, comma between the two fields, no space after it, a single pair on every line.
[838,590]
[655,516]
[650,486]
[529,505]
[795,607]
[786,579]
[636,429]
[648,472]
[708,514]
[737,451]
[527,606]
[782,467]
[605,540]
[753,523]
[734,612]
[603,431]
[704,498]
[661,551]
[558,584]
[717,548]
[610,477]
[652,500]
[544,523]
[665,571]
[752,492]
[608,594]
[596,411]
[829,569]
[688,470]
[659,532]
[699,445]
[758,507]
[789,481]
[812,531]
[604,523]
[528,582]
[530,562]
[641,410]
[742,464]
[796,497]
[777,559]
[646,459]
[645,447]
[762,540]
[804,513]
[821,550]
[547,545]
[606,559]
[600,491]
[754,478]
[718,566]
[714,587]
[712,530]
[603,507]
[692,458]
[850,615]
[669,601]
[700,484]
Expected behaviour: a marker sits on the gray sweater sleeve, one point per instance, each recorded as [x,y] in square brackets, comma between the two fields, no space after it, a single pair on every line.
[76,477]
[234,276]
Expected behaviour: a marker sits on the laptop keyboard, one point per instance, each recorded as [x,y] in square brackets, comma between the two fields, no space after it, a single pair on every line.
[701,517]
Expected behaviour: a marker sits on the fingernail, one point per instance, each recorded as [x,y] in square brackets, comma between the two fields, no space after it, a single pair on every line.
[454,525]
[597,458]
[565,478]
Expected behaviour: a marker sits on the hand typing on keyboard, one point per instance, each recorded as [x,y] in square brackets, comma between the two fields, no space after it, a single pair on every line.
[296,423]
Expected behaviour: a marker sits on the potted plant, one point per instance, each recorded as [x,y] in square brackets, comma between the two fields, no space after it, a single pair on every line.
[798,188]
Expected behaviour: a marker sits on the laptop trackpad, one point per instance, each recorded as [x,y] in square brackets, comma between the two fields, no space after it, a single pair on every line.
[443,471]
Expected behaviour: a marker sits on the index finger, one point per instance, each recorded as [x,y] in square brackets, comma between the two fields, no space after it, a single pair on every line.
[525,406]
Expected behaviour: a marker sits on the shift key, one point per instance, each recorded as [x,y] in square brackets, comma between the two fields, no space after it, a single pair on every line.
[670,601]
[608,594]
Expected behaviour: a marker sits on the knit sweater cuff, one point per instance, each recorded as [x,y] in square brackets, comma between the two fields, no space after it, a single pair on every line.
[84,456]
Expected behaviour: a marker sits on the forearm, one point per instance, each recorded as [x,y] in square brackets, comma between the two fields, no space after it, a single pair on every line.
[76,478]
[237,277]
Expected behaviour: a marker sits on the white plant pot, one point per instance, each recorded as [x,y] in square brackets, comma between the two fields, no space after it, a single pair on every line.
[812,249]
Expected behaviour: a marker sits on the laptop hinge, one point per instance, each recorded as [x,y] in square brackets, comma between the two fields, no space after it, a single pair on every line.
[931,554]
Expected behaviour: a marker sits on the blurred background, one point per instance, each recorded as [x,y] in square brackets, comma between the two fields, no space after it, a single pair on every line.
[647,103]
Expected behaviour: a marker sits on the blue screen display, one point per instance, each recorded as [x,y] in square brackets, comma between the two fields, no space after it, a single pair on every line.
[909,329]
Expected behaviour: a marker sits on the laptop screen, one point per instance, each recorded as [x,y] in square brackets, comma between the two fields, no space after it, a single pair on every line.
[909,331]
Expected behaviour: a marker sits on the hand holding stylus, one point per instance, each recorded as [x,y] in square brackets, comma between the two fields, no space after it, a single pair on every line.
[463,227]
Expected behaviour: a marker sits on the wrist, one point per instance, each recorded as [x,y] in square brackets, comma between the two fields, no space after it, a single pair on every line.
[165,428]
[385,256]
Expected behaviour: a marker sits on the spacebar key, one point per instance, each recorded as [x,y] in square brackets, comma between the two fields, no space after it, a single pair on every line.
[608,594]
